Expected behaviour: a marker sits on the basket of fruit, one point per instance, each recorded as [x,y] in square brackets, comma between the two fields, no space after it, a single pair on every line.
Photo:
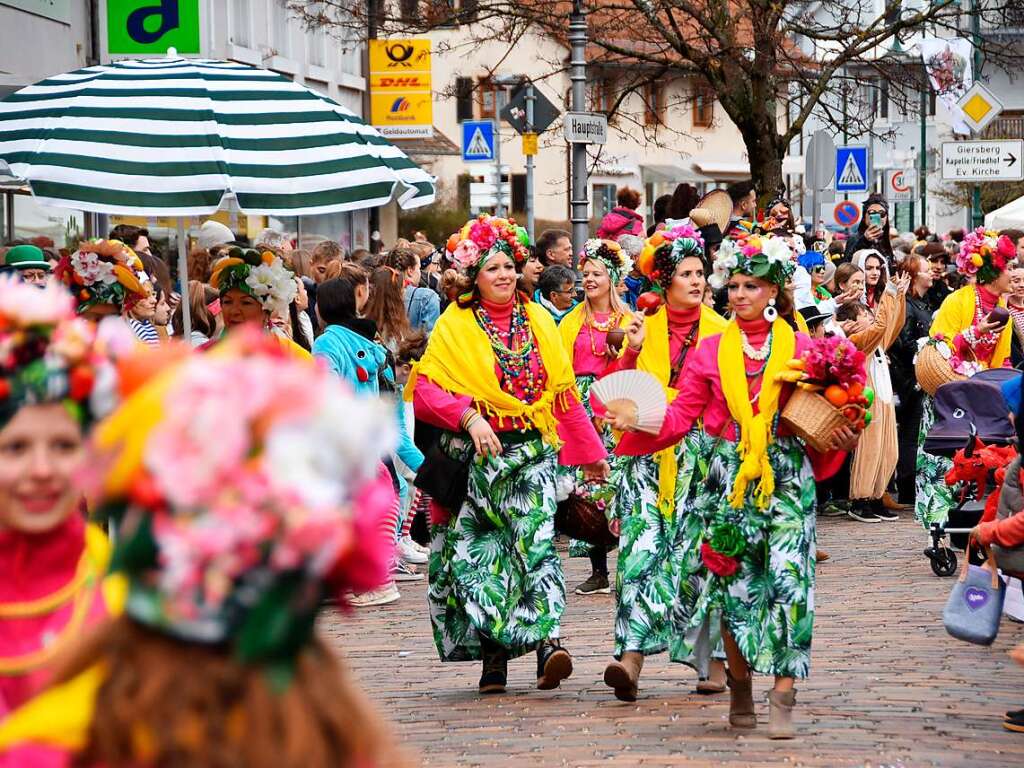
[829,394]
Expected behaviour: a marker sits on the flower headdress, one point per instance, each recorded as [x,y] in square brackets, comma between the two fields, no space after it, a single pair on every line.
[47,355]
[487,236]
[246,488]
[765,256]
[104,272]
[261,275]
[610,254]
[985,253]
[665,249]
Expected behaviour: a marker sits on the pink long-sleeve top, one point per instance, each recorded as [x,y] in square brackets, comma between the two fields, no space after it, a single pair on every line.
[580,442]
[701,396]
[680,326]
[988,301]
[588,341]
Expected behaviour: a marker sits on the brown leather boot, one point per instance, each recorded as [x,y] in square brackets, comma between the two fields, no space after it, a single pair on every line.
[715,682]
[624,675]
[780,714]
[891,504]
[741,701]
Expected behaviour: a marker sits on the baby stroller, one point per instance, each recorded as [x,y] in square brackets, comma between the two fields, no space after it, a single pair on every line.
[971,417]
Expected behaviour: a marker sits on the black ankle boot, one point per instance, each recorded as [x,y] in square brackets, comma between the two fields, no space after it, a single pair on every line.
[554,664]
[495,667]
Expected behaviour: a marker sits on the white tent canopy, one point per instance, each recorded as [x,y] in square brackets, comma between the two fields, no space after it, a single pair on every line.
[1010,216]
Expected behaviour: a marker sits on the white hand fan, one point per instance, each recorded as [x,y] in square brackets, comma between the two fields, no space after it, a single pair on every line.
[640,390]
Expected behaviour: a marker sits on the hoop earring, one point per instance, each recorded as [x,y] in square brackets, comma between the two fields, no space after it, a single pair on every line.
[770,313]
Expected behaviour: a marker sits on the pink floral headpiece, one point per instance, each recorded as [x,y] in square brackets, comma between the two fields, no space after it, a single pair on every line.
[985,254]
[487,236]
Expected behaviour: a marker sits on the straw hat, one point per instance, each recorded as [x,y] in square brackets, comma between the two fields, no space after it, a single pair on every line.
[714,208]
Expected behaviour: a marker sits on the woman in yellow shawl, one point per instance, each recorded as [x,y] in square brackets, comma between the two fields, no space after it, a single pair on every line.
[588,333]
[971,342]
[757,498]
[498,383]
[653,579]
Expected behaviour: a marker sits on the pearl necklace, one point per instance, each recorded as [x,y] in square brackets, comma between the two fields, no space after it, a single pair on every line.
[756,354]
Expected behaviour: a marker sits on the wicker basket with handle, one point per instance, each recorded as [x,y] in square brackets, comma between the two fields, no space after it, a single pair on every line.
[813,418]
[933,370]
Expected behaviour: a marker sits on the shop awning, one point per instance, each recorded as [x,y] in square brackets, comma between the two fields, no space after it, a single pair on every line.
[671,174]
[724,169]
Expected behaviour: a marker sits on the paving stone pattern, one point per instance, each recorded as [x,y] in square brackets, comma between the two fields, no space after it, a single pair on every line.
[888,686]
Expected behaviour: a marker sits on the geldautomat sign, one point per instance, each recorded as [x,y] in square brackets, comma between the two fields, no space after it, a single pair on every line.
[152,26]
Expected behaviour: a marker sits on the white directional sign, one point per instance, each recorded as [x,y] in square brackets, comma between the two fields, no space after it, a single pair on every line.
[983,160]
[586,128]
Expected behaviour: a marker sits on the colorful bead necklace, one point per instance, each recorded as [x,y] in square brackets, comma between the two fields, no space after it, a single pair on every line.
[594,325]
[513,352]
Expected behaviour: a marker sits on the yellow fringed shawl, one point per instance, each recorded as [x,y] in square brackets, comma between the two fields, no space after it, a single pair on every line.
[572,324]
[459,359]
[755,431]
[655,358]
[956,315]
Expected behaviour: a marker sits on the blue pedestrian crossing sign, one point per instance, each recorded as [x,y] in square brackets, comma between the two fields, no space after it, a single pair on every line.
[477,140]
[852,169]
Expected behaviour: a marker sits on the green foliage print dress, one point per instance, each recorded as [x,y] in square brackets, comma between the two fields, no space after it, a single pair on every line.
[660,575]
[768,604]
[933,498]
[493,567]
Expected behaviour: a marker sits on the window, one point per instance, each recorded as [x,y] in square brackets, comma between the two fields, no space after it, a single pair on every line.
[468,10]
[604,199]
[440,13]
[280,28]
[603,94]
[487,96]
[241,23]
[703,105]
[654,103]
[518,192]
[316,42]
[463,98]
[409,10]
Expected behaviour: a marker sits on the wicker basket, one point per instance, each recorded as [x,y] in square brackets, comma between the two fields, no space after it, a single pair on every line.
[933,370]
[813,418]
[579,518]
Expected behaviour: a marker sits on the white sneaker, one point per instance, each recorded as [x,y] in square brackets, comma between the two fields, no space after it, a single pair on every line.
[419,547]
[382,596]
[403,571]
[410,552]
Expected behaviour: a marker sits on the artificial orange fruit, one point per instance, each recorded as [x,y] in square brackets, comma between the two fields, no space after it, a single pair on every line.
[837,395]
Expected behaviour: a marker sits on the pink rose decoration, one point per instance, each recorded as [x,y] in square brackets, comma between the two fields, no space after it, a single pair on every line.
[467,253]
[483,235]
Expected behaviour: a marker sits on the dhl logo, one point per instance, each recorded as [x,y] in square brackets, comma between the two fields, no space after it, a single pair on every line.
[406,81]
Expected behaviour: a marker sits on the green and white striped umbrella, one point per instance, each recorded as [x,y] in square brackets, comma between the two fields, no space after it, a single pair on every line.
[172,136]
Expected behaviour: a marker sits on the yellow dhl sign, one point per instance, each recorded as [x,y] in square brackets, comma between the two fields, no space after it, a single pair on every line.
[401,102]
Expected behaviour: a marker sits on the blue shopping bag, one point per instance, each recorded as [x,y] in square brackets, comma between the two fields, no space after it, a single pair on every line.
[976,603]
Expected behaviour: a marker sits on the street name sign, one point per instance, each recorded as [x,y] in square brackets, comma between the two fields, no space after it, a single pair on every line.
[477,140]
[586,128]
[983,160]
[852,169]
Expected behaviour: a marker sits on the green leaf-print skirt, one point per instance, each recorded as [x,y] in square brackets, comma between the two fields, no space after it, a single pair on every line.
[659,571]
[768,604]
[933,497]
[493,567]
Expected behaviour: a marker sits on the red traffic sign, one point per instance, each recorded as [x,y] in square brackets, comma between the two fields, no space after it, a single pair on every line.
[846,213]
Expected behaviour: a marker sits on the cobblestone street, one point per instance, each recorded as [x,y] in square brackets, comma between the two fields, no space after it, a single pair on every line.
[889,687]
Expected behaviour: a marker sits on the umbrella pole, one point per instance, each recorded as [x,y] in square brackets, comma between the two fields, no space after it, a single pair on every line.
[186,313]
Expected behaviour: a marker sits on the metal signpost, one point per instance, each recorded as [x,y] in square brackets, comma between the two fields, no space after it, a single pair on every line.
[579,197]
[530,113]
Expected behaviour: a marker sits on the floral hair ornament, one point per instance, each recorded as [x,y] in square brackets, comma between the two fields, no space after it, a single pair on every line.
[104,272]
[236,541]
[610,254]
[484,237]
[764,256]
[677,243]
[260,275]
[984,253]
[47,354]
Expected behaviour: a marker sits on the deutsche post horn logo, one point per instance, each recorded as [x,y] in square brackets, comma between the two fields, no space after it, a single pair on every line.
[399,53]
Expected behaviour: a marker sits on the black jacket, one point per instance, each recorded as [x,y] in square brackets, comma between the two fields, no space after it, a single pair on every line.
[904,349]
